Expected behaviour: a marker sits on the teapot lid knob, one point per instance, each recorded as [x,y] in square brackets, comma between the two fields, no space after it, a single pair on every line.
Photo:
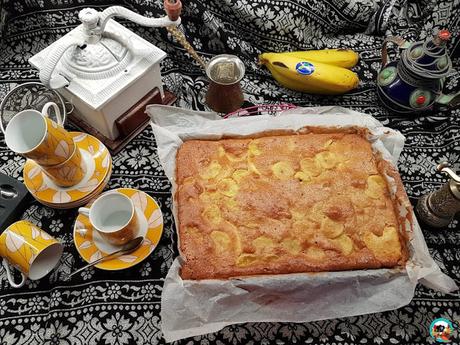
[444,35]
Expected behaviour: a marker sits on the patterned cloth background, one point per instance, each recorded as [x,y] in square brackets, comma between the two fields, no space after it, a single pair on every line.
[101,307]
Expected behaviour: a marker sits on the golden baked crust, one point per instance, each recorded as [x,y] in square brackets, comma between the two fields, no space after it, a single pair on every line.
[284,204]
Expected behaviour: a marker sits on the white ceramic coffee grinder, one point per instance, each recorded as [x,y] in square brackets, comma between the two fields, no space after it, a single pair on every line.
[108,72]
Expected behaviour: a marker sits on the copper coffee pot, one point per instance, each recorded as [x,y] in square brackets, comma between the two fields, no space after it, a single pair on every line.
[224,93]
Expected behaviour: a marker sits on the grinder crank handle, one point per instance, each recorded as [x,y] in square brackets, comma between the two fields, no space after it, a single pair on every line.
[118,11]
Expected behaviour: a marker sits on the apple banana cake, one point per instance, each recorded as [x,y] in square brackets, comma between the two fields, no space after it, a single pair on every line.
[287,203]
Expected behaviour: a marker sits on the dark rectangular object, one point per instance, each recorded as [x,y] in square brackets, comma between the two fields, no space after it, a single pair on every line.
[13,200]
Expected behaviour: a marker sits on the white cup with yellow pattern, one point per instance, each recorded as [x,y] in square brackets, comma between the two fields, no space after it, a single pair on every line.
[114,216]
[35,136]
[30,249]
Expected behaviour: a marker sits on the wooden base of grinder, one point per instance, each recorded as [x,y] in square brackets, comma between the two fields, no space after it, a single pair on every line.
[130,124]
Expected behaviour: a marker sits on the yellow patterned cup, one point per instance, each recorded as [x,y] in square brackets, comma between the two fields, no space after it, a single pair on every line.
[29,249]
[33,135]
[68,173]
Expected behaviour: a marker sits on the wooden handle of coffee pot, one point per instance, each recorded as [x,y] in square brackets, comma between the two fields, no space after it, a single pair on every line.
[173,9]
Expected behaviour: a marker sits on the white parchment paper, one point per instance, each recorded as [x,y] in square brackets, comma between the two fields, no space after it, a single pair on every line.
[190,308]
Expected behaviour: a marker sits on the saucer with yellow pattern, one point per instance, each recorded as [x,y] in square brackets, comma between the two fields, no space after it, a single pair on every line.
[86,199]
[91,246]
[98,166]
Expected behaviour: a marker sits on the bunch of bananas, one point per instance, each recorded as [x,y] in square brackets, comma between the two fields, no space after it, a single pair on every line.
[314,71]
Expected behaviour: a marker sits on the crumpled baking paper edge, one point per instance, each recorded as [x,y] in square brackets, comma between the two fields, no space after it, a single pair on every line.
[190,308]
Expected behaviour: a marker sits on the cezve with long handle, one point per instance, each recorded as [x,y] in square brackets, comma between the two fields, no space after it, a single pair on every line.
[125,249]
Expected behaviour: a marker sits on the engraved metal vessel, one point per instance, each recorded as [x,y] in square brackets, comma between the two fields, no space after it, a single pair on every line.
[438,208]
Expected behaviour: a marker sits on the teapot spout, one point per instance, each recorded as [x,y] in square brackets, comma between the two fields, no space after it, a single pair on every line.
[452,99]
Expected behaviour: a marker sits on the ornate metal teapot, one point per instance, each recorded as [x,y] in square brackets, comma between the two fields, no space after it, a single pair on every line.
[414,83]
